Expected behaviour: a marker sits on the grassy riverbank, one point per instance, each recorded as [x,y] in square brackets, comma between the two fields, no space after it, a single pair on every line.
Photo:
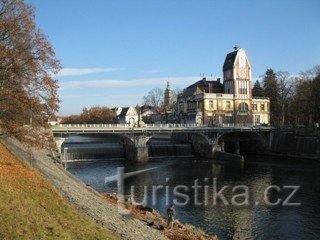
[31,209]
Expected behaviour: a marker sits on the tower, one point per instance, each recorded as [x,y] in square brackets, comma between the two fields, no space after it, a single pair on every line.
[237,74]
[237,81]
[168,96]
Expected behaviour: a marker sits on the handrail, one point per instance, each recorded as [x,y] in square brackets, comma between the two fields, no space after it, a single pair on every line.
[155,126]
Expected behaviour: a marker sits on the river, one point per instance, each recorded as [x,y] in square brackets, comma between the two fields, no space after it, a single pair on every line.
[255,218]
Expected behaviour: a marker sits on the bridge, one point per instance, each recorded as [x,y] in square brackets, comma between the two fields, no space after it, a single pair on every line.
[204,139]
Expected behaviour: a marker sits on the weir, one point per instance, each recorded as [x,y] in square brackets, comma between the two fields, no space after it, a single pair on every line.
[134,144]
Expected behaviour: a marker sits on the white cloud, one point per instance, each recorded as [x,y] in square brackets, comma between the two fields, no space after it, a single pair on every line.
[144,82]
[84,71]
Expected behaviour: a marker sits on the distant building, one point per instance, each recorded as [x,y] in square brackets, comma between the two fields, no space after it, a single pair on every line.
[127,115]
[147,113]
[214,103]
[168,97]
[53,120]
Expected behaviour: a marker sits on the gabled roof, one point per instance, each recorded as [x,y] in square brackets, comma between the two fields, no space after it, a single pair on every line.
[230,59]
[203,86]
[123,112]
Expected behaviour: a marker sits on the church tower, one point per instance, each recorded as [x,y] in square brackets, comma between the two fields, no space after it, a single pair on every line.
[168,96]
[237,74]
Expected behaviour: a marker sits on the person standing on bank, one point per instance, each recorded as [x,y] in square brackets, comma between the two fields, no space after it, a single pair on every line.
[171,212]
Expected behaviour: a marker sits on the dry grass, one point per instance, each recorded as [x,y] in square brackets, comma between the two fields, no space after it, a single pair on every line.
[31,209]
[155,220]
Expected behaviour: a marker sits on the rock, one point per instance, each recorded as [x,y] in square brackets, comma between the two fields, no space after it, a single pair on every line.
[144,208]
[160,227]
[177,224]
[150,224]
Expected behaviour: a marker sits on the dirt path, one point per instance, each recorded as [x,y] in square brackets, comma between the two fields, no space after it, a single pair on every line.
[86,200]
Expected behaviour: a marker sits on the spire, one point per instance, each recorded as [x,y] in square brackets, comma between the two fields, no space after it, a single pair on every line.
[168,85]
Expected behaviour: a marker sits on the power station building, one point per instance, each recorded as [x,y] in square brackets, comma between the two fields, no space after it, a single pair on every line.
[229,102]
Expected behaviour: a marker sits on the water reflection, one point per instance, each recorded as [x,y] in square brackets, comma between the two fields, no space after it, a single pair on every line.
[256,221]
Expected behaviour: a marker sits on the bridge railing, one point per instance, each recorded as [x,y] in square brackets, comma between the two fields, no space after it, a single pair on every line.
[156,126]
[163,125]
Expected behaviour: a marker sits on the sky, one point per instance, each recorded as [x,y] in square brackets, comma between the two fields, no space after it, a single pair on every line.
[114,52]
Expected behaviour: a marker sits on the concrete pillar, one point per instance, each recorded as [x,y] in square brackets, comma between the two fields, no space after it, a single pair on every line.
[59,142]
[136,148]
[222,147]
[237,147]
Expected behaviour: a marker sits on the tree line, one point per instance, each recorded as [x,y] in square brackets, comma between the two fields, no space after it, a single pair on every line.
[294,100]
[93,115]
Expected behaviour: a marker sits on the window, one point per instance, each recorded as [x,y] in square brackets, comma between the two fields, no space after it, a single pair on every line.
[254,106]
[243,107]
[210,104]
[228,105]
[228,119]
[262,107]
[242,91]
[256,119]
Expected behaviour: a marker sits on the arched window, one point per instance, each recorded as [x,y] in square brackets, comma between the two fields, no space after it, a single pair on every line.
[243,107]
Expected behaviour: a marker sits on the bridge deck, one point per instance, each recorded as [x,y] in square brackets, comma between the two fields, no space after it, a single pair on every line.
[159,128]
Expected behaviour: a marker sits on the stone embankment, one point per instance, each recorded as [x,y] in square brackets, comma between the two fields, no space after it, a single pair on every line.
[140,224]
[299,143]
[86,200]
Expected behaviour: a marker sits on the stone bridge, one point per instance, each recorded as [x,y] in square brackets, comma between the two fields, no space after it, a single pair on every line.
[204,139]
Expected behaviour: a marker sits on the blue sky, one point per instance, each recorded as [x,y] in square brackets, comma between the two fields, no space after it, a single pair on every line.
[114,52]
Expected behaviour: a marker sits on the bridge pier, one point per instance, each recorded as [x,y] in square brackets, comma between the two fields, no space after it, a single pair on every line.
[136,148]
[59,142]
[237,147]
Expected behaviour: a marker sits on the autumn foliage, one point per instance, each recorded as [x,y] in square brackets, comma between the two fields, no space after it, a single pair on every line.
[93,115]
[28,93]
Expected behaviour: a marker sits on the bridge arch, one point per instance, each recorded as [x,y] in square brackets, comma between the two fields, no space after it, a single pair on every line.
[243,142]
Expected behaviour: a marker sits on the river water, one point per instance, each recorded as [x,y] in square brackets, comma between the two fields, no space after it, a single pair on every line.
[254,219]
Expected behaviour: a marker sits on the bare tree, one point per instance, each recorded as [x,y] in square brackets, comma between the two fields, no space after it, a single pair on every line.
[285,89]
[154,98]
[307,97]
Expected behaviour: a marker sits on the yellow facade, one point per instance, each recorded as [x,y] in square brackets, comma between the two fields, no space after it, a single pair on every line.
[211,102]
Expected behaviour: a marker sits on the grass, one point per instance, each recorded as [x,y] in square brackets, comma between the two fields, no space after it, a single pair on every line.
[31,209]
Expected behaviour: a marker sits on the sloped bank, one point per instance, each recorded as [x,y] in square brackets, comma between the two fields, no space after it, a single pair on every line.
[86,200]
[95,206]
[30,208]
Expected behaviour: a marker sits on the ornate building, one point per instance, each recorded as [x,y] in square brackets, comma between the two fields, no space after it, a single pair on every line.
[214,103]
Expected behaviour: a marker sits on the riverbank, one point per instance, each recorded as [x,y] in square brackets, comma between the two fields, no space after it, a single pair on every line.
[156,220]
[298,143]
[83,198]
[92,204]
[32,209]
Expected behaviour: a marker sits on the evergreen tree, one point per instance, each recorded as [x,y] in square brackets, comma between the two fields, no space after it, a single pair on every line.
[257,90]
[271,90]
